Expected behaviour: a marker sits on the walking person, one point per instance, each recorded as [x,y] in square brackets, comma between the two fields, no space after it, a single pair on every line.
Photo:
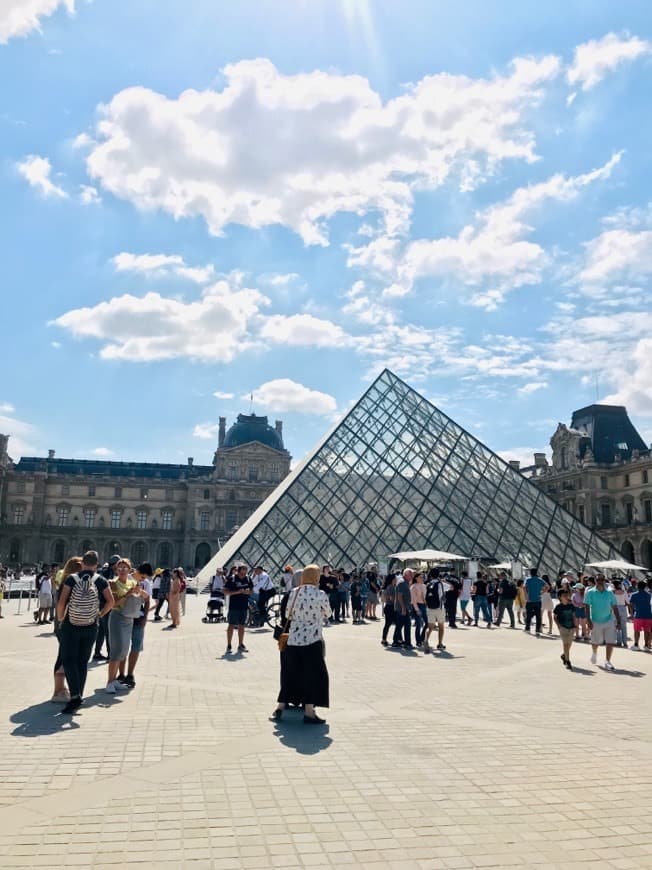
[44,600]
[343,593]
[163,594]
[465,598]
[534,586]
[520,602]
[264,586]
[623,614]
[177,586]
[481,600]
[304,676]
[547,603]
[374,592]
[237,589]
[641,604]
[128,597]
[451,592]
[436,615]
[566,620]
[389,605]
[418,602]
[402,624]
[506,596]
[356,601]
[577,600]
[78,611]
[183,582]
[602,615]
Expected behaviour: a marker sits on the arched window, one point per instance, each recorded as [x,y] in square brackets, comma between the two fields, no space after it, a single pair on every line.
[646,554]
[138,552]
[59,552]
[627,549]
[112,549]
[164,555]
[202,555]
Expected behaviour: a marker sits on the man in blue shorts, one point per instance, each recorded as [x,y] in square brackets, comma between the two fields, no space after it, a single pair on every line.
[237,590]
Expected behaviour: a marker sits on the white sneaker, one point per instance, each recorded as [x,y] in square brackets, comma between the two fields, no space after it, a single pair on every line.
[111,689]
[594,658]
[635,646]
[608,666]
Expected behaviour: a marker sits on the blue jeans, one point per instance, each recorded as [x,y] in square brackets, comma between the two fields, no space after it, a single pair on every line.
[481,602]
[420,623]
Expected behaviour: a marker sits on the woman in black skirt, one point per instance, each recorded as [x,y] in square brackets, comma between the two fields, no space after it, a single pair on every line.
[304,677]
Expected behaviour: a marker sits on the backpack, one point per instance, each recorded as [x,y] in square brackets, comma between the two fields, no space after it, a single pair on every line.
[433,595]
[83,603]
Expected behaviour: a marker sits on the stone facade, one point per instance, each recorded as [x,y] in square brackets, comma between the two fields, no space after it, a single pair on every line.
[52,508]
[601,472]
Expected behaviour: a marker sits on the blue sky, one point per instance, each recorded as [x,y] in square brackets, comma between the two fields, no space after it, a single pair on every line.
[279,199]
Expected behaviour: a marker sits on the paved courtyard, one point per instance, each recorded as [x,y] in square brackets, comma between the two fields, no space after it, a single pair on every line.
[492,756]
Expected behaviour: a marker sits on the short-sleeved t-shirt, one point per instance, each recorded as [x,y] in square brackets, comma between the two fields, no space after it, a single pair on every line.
[564,614]
[534,586]
[100,583]
[235,584]
[600,604]
[642,604]
[481,587]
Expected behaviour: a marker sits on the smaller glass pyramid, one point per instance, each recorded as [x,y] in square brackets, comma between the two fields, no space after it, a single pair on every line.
[397,474]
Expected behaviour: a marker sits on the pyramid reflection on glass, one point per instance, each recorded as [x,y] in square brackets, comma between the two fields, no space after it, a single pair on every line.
[398,474]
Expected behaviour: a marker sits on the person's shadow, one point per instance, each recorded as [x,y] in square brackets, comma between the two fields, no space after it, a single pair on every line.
[40,720]
[304,739]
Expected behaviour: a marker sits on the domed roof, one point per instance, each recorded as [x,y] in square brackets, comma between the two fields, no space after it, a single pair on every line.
[248,428]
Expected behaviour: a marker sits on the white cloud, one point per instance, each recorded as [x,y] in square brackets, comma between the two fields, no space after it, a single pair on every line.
[490,257]
[239,155]
[36,171]
[362,308]
[6,408]
[88,194]
[283,394]
[215,328]
[102,452]
[594,59]
[20,17]
[21,434]
[205,430]
[532,387]
[621,254]
[302,330]
[634,380]
[159,265]
[281,280]
[220,395]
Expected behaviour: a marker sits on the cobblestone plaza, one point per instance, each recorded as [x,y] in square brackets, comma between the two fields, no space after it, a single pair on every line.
[492,755]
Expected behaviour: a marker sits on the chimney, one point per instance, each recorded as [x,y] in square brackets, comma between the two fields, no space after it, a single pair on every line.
[222,432]
[50,454]
[515,464]
[279,428]
[540,460]
[190,460]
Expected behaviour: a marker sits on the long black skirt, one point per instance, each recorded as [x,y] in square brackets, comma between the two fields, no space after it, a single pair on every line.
[304,677]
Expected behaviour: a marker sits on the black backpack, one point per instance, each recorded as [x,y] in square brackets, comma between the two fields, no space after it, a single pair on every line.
[433,598]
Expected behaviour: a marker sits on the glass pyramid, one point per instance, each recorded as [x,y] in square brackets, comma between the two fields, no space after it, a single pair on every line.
[397,474]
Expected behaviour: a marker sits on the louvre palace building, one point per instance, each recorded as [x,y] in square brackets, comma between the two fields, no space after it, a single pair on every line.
[52,508]
[601,471]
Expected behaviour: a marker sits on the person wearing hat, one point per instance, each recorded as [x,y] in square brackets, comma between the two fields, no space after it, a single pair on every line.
[577,600]
[108,572]
[304,676]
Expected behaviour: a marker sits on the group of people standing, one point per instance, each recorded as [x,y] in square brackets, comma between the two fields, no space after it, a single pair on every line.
[97,605]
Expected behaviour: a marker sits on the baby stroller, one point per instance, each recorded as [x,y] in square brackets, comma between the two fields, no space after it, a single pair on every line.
[215,608]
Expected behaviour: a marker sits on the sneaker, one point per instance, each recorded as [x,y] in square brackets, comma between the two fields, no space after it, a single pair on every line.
[61,697]
[111,688]
[440,646]
[129,681]
[635,646]
[384,642]
[98,657]
[608,666]
[426,648]
[228,650]
[242,648]
[122,679]
[594,658]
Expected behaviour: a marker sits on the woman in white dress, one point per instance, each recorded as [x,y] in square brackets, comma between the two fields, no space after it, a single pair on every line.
[547,604]
[304,677]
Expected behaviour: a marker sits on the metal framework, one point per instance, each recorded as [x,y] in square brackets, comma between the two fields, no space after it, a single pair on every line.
[396,473]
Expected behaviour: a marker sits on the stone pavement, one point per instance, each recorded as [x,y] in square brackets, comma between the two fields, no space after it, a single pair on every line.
[481,758]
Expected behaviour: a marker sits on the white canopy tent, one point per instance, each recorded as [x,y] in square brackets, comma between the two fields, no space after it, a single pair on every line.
[427,556]
[616,565]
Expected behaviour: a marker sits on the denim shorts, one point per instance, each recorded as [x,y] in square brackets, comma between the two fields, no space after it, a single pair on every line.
[580,612]
[137,637]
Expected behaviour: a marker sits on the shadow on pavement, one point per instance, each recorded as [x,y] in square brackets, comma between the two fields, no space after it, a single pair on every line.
[41,719]
[304,739]
[584,671]
[624,673]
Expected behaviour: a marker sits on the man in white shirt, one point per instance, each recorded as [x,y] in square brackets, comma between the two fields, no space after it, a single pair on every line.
[264,589]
